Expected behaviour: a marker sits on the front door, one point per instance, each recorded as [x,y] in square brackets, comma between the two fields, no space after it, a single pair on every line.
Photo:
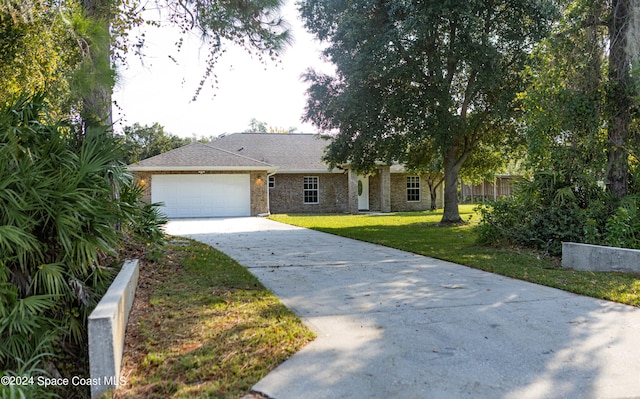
[363,193]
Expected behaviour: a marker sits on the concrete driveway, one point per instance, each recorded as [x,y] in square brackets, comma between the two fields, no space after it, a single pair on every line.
[392,324]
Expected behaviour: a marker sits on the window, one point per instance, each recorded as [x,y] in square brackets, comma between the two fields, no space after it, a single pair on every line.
[310,190]
[413,188]
[272,181]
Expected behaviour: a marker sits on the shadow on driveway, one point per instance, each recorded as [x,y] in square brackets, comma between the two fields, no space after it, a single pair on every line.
[392,324]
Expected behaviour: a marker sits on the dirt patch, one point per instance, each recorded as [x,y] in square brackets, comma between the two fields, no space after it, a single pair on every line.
[135,347]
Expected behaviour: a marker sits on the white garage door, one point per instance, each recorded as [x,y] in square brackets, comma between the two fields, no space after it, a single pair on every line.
[202,195]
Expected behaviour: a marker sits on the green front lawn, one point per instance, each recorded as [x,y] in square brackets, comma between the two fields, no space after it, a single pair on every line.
[421,233]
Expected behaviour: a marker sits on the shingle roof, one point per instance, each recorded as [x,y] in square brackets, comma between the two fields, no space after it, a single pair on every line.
[289,152]
[200,156]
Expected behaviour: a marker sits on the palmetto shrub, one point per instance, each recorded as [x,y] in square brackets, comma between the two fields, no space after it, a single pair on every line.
[58,225]
[143,221]
[556,207]
[623,227]
[552,208]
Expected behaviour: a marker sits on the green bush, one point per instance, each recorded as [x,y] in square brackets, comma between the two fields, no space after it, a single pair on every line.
[25,379]
[551,208]
[144,221]
[62,223]
[623,227]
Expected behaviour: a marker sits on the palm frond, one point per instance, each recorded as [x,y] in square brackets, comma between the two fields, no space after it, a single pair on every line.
[49,278]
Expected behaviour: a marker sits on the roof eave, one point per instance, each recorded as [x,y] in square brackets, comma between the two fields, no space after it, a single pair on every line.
[139,168]
[301,171]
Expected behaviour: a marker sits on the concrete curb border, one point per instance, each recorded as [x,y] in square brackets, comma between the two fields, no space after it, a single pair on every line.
[600,258]
[107,325]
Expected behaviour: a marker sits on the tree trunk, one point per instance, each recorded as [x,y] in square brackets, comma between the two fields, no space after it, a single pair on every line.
[432,193]
[433,184]
[452,164]
[97,108]
[619,99]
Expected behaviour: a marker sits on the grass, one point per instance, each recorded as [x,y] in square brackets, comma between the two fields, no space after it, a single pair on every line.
[207,329]
[421,233]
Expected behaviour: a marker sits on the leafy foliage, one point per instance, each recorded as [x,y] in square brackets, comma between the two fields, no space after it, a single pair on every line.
[141,142]
[580,106]
[554,207]
[410,72]
[623,227]
[144,221]
[55,202]
[563,104]
[255,26]
[579,120]
[28,372]
[58,235]
[40,50]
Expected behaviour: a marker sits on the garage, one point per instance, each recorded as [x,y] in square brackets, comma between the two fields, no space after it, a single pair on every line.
[202,195]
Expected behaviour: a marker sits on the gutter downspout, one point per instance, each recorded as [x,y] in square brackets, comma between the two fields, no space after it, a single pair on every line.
[269,174]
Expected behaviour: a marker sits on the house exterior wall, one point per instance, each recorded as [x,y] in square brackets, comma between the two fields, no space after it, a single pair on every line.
[287,194]
[334,196]
[259,194]
[399,201]
[385,188]
[258,186]
[375,200]
[144,179]
[379,190]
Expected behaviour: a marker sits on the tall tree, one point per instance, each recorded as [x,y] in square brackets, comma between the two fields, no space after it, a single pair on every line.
[564,115]
[39,51]
[621,95]
[256,126]
[141,142]
[581,100]
[412,71]
[100,75]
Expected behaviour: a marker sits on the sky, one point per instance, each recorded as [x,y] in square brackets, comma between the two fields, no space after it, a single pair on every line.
[157,90]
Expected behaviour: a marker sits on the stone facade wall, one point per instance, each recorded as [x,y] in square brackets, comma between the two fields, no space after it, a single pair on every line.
[144,178]
[385,189]
[399,201]
[259,194]
[287,194]
[375,201]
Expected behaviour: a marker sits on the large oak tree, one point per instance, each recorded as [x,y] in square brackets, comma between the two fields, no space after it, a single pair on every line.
[410,72]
